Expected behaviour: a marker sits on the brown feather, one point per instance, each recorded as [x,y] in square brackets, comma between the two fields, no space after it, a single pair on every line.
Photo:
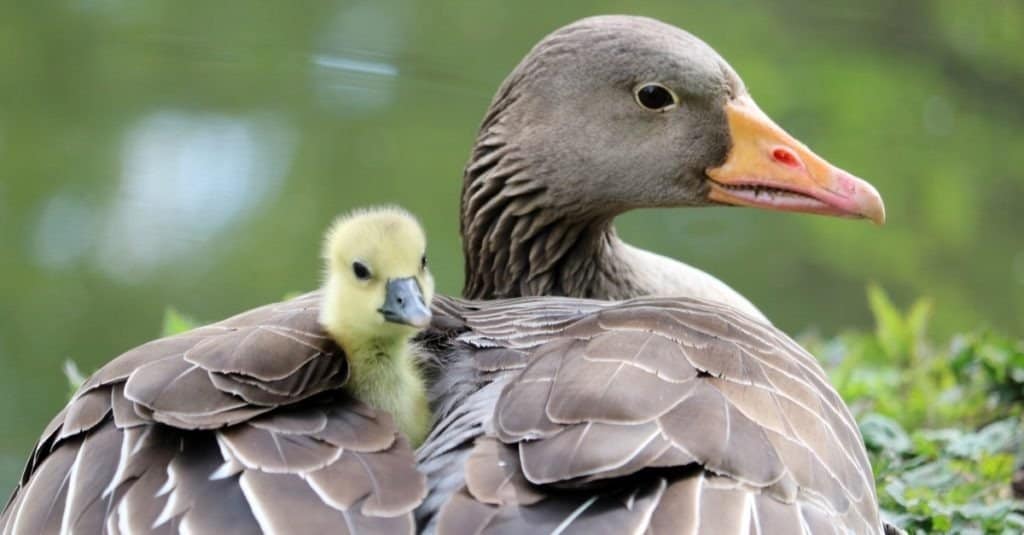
[494,476]
[276,453]
[145,453]
[352,425]
[464,515]
[192,421]
[285,503]
[386,482]
[84,412]
[269,351]
[41,508]
[85,509]
[179,388]
[765,443]
[220,508]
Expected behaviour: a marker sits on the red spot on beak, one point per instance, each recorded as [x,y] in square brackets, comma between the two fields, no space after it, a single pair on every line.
[786,157]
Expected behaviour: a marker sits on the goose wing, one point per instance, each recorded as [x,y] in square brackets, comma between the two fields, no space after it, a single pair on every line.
[654,416]
[235,427]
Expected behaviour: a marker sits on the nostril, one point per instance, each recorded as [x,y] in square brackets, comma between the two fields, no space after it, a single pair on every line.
[401,301]
[786,157]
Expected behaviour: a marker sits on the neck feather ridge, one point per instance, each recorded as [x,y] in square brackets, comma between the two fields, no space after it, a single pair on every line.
[519,241]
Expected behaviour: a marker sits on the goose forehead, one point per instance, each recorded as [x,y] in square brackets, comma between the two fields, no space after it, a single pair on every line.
[641,45]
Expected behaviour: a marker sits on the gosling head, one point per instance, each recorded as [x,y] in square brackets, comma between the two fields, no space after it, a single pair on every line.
[378,286]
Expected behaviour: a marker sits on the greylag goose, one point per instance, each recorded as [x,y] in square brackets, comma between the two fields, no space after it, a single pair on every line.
[562,414]
[603,116]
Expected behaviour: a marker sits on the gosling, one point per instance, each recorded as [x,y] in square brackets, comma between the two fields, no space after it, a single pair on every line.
[376,298]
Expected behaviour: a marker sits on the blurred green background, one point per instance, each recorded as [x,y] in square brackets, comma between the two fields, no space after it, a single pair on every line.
[185,153]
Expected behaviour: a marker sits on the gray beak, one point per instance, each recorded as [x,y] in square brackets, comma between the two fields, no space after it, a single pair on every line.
[404,303]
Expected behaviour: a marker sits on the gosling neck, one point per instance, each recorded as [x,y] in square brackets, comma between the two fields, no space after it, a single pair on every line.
[362,344]
[368,353]
[384,374]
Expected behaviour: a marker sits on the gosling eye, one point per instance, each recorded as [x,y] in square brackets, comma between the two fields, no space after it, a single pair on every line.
[423,262]
[360,270]
[655,97]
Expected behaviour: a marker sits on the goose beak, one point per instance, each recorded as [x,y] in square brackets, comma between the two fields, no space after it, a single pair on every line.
[768,168]
[404,303]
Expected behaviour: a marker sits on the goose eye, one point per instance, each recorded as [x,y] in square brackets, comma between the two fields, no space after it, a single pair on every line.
[655,97]
[360,270]
[423,262]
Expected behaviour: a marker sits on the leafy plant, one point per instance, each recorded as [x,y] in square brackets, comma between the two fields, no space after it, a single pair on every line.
[942,424]
[175,322]
[74,376]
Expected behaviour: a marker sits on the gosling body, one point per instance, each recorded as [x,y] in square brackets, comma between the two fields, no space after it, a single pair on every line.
[386,374]
[376,298]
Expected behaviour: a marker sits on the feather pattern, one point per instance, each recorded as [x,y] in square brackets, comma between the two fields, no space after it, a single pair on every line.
[539,427]
[237,427]
[654,415]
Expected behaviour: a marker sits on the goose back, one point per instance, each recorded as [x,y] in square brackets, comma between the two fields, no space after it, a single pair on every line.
[737,428]
[235,427]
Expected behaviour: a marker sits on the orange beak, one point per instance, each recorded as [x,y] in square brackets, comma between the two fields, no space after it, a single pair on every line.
[768,168]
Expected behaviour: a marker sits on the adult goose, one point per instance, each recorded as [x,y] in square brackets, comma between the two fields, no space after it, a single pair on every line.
[664,415]
[515,382]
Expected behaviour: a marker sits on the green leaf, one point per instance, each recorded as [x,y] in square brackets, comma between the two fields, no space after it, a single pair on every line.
[942,423]
[884,434]
[175,322]
[74,376]
[890,327]
[992,438]
[291,295]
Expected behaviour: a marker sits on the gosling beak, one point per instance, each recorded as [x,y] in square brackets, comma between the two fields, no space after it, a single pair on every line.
[768,168]
[404,303]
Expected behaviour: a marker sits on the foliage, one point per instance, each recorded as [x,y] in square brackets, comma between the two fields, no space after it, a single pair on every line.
[942,423]
[175,322]
[74,376]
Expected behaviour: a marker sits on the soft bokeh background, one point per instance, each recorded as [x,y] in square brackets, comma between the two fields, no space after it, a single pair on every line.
[189,154]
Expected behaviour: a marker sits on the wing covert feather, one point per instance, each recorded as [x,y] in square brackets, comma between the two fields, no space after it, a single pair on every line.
[230,428]
[622,392]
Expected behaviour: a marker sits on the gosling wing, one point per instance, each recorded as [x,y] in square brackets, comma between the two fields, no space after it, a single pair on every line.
[235,427]
[660,416]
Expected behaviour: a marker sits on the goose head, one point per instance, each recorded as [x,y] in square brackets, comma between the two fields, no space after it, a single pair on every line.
[378,287]
[613,113]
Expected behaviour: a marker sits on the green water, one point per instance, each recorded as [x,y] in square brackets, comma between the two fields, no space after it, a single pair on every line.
[189,154]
